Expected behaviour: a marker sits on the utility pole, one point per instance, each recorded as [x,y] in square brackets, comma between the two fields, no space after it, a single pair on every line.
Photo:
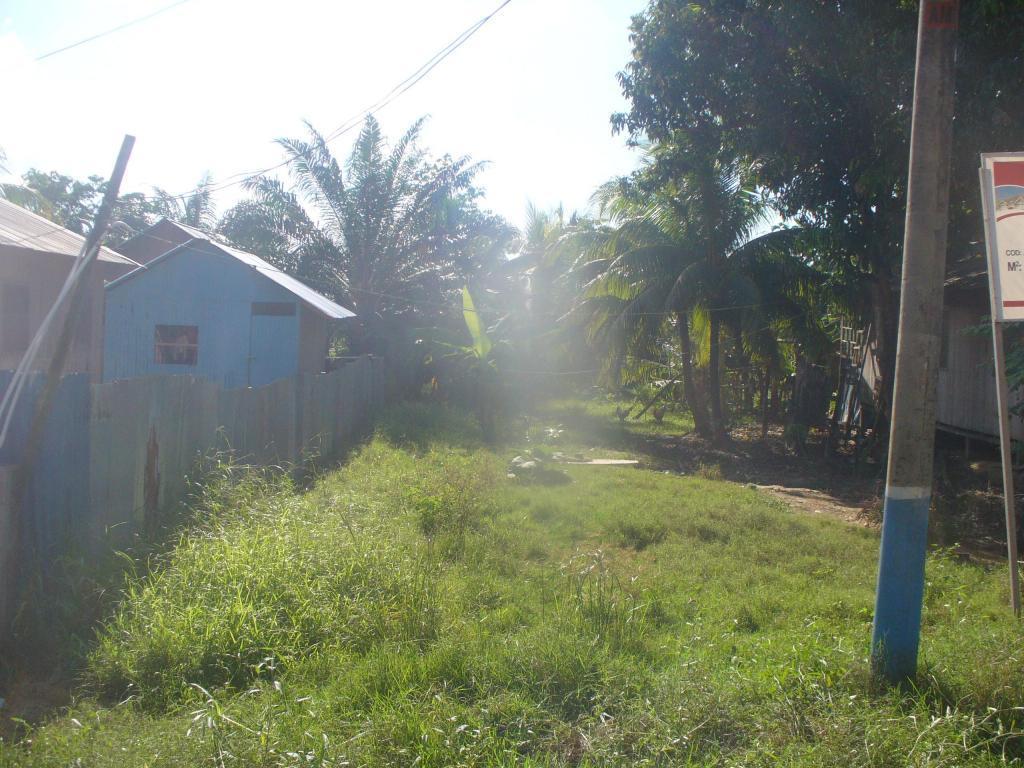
[90,252]
[75,301]
[897,626]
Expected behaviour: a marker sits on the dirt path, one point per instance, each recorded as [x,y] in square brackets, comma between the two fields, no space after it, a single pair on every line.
[31,699]
[815,502]
[809,483]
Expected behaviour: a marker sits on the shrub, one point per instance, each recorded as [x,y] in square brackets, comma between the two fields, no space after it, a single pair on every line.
[640,532]
[452,499]
[709,471]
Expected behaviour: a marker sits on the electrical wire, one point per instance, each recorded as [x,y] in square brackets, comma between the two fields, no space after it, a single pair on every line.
[347,126]
[357,119]
[112,30]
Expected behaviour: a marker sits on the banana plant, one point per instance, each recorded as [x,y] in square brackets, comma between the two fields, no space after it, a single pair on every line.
[481,342]
[471,368]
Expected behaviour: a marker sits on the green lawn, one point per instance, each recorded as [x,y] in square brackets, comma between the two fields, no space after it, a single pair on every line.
[601,412]
[418,607]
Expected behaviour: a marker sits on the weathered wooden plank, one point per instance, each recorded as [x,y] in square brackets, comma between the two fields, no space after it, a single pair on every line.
[116,457]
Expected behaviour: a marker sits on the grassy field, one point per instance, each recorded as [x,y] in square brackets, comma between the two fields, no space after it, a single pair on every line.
[420,607]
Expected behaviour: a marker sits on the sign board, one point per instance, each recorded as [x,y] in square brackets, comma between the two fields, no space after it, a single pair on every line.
[1003,194]
[1002,203]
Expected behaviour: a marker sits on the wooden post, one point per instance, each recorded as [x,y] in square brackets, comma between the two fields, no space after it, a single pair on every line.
[7,548]
[23,477]
[898,601]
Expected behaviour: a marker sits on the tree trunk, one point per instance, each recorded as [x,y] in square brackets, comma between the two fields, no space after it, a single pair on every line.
[485,404]
[744,376]
[690,390]
[718,431]
[764,404]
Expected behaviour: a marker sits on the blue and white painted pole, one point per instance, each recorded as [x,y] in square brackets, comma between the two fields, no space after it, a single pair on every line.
[897,626]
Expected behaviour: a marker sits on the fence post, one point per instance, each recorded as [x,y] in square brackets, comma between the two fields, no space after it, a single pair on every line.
[7,512]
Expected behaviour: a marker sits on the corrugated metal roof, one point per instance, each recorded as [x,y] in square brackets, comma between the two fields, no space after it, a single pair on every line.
[289,283]
[292,285]
[197,234]
[25,229]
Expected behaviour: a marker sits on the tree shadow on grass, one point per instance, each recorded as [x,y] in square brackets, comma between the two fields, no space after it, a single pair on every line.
[748,459]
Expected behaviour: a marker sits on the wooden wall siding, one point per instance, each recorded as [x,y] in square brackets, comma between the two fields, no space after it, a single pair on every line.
[214,292]
[314,338]
[116,457]
[40,276]
[153,242]
[967,385]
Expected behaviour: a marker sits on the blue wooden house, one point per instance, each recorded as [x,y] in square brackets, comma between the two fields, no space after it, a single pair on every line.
[201,308]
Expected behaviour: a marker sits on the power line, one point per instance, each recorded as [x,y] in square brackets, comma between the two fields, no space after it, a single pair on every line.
[345,127]
[112,30]
[424,70]
[355,120]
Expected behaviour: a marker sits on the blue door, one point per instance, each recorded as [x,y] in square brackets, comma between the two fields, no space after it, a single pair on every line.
[273,342]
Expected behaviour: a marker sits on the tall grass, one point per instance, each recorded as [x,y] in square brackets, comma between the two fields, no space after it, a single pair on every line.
[269,576]
[418,608]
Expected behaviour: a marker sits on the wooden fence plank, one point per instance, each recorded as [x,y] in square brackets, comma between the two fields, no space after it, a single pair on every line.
[116,458]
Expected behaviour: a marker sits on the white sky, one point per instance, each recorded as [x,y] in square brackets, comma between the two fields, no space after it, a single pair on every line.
[207,86]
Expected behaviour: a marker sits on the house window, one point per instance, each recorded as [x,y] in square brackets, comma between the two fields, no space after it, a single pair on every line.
[177,344]
[276,308]
[15,323]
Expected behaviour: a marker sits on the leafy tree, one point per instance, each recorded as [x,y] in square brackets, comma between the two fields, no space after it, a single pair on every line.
[133,213]
[475,364]
[59,198]
[531,292]
[73,204]
[820,95]
[536,287]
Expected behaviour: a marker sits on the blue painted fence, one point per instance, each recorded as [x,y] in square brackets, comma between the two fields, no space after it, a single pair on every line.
[61,479]
[115,458]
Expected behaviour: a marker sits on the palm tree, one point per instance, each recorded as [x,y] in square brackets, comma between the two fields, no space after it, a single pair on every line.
[381,233]
[632,262]
[196,209]
[539,266]
[270,226]
[3,172]
[684,244]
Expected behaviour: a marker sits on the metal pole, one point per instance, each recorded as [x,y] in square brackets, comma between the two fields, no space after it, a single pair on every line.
[1002,391]
[1005,439]
[897,626]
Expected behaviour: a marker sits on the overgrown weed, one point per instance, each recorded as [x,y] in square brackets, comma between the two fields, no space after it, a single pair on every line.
[416,607]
